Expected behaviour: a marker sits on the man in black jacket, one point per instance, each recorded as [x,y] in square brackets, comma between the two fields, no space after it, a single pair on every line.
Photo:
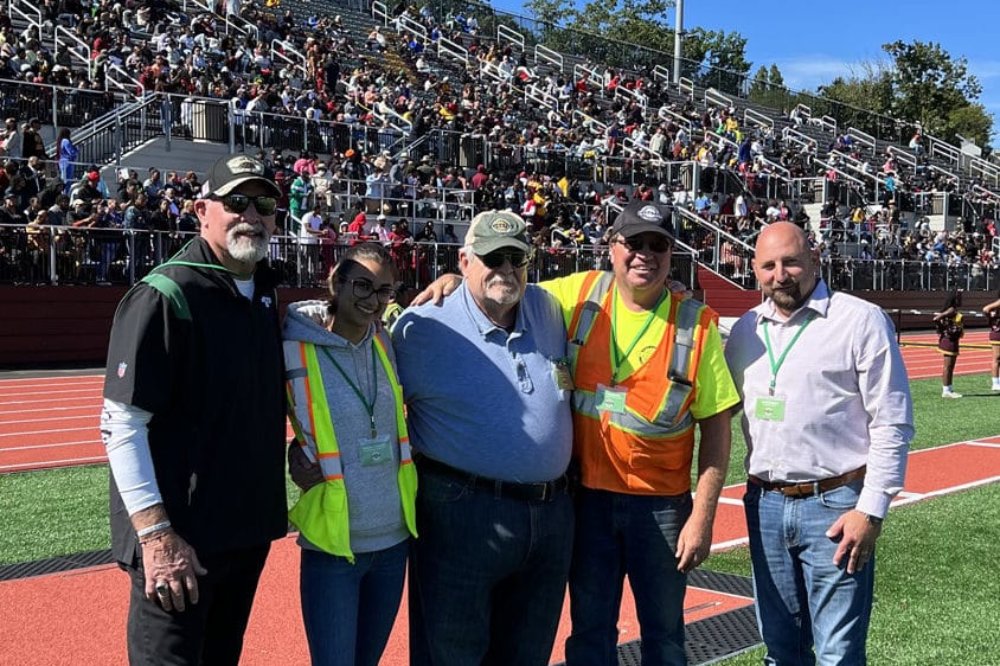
[194,425]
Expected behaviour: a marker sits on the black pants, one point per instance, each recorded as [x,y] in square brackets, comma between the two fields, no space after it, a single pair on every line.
[210,632]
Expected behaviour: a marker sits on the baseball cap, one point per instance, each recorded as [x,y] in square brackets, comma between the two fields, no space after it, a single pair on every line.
[496,229]
[231,171]
[643,216]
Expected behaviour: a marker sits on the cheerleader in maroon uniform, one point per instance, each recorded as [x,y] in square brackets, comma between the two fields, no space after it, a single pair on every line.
[992,311]
[950,330]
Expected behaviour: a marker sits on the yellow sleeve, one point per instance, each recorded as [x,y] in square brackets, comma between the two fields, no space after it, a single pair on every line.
[714,387]
[566,291]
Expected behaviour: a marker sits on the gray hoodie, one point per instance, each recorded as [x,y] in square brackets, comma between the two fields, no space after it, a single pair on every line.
[376,515]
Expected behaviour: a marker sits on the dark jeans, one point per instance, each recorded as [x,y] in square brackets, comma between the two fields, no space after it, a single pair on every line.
[210,632]
[634,535]
[349,609]
[488,575]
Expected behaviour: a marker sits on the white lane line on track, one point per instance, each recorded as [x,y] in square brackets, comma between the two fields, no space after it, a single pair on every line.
[67,462]
[95,390]
[52,418]
[46,381]
[43,432]
[96,401]
[49,446]
[93,408]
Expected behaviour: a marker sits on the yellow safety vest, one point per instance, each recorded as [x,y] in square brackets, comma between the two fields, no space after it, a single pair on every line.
[321,513]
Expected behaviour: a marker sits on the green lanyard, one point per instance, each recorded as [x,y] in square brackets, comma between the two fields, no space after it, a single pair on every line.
[616,359]
[369,405]
[776,365]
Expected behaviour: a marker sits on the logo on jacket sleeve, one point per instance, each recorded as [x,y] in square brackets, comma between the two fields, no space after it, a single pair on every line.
[122,367]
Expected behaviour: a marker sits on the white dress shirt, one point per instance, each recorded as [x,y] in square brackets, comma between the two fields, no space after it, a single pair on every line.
[845,390]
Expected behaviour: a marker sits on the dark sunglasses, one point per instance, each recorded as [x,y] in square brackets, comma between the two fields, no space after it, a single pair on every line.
[238,203]
[363,289]
[496,259]
[657,244]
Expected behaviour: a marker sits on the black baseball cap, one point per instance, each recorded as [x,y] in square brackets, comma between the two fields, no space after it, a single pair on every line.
[231,171]
[639,217]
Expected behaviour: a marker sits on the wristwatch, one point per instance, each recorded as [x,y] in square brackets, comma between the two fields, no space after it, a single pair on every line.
[874,521]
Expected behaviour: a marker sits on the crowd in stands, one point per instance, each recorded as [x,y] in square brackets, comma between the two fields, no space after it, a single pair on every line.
[390,78]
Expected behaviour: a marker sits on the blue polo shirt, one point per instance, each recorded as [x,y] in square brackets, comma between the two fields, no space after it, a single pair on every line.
[483,400]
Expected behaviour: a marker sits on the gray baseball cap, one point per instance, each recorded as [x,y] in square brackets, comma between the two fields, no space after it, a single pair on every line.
[496,229]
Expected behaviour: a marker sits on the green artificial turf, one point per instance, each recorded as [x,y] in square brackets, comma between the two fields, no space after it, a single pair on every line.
[936,590]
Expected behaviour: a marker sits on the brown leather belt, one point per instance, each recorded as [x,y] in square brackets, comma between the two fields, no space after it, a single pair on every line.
[809,488]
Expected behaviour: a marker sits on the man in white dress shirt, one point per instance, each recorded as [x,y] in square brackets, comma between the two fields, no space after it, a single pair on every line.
[828,418]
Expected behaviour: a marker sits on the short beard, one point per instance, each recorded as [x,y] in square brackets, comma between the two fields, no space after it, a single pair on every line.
[511,292]
[247,249]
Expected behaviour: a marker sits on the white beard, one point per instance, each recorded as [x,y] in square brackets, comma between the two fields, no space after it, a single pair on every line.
[244,248]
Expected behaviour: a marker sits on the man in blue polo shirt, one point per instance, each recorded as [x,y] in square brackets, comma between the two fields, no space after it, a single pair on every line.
[487,389]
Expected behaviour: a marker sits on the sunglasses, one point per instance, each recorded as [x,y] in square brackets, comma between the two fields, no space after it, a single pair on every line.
[496,259]
[238,203]
[657,244]
[363,289]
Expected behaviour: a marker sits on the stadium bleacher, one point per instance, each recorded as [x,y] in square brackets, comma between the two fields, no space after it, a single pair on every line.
[406,106]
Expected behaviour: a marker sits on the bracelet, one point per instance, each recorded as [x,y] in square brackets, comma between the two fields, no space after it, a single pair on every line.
[158,527]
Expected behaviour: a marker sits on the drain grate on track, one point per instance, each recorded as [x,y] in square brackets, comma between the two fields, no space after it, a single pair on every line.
[721,582]
[55,564]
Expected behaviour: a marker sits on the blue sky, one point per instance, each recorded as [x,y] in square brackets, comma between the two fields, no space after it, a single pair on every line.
[812,41]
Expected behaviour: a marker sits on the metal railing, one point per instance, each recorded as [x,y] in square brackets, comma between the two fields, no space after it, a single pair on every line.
[283,51]
[65,40]
[545,54]
[453,50]
[510,36]
[29,13]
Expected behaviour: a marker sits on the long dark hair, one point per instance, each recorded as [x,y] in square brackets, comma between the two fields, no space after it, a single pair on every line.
[953,300]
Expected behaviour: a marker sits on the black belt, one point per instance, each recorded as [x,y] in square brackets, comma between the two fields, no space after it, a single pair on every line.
[529,492]
[809,488]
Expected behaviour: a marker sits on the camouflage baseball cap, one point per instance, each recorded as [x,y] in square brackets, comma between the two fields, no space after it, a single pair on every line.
[231,171]
[496,229]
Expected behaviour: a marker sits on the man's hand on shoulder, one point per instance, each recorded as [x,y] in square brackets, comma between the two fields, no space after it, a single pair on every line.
[438,290]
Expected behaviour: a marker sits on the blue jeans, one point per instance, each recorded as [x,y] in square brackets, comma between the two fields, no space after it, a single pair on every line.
[349,609]
[488,575]
[802,598]
[634,535]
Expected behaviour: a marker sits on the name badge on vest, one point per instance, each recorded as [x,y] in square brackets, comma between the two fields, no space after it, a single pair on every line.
[770,409]
[375,451]
[611,399]
[561,375]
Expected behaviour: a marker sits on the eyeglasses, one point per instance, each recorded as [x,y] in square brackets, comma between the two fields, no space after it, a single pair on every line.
[656,244]
[238,203]
[362,288]
[496,259]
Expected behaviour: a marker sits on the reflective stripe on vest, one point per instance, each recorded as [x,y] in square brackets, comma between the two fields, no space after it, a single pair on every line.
[648,449]
[321,513]
[681,373]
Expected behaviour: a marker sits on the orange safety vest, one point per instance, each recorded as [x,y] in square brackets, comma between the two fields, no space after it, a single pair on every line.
[646,450]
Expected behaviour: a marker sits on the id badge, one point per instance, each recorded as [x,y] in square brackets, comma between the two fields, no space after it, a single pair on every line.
[375,451]
[611,399]
[770,408]
[561,375]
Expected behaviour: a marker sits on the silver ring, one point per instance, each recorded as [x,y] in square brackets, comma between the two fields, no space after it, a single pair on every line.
[162,589]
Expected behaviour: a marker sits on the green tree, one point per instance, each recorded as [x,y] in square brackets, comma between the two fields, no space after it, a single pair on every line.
[760,84]
[937,91]
[607,31]
[774,76]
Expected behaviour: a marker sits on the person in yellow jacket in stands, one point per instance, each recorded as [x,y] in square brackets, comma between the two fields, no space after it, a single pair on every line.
[346,407]
[647,367]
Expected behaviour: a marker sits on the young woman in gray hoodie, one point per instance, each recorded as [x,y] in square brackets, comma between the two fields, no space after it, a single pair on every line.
[345,405]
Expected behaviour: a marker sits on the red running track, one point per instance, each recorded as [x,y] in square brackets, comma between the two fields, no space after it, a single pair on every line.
[53,421]
[79,616]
